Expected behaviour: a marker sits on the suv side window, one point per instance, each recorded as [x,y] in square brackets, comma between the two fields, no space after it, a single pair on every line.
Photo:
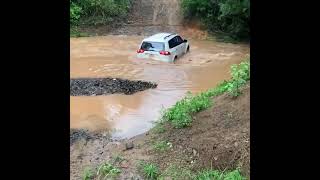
[179,40]
[172,43]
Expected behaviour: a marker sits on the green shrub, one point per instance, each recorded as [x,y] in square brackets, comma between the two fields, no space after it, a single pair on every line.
[228,17]
[75,13]
[240,75]
[96,12]
[180,114]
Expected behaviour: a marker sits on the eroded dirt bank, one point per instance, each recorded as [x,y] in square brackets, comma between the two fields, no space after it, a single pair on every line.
[218,138]
[146,17]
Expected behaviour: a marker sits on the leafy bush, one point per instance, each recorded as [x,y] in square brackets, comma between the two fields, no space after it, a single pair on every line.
[97,12]
[228,16]
[180,114]
[240,75]
[75,13]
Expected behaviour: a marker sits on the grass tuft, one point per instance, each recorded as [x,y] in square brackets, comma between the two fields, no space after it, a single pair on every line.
[218,175]
[107,170]
[150,170]
[87,174]
[162,146]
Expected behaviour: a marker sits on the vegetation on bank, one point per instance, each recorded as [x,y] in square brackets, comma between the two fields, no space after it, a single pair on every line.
[180,115]
[162,146]
[96,12]
[228,18]
[151,171]
[107,170]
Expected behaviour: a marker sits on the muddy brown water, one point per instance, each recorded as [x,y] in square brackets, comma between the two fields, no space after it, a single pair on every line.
[125,116]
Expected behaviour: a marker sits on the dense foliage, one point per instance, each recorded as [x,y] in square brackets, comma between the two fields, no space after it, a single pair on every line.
[231,17]
[97,12]
[75,13]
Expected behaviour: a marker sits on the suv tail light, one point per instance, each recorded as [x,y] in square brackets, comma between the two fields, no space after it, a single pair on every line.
[140,51]
[165,53]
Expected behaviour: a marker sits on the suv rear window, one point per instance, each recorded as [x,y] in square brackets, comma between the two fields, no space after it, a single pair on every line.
[152,46]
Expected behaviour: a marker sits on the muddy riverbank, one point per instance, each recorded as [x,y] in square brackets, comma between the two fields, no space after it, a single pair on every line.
[218,138]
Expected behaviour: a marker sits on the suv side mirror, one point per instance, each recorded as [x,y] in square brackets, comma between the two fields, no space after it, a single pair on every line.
[185,40]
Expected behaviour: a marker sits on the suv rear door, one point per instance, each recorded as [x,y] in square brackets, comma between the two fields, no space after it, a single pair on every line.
[173,47]
[176,45]
[180,45]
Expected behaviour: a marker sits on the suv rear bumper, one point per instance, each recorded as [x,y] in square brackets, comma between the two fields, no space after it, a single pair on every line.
[156,57]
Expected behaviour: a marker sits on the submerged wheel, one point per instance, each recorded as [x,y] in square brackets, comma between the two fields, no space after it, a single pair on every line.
[175,58]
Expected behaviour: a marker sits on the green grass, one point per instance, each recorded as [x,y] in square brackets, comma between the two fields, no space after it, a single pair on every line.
[162,146]
[177,173]
[159,124]
[180,115]
[159,128]
[218,175]
[107,170]
[87,174]
[150,171]
[117,159]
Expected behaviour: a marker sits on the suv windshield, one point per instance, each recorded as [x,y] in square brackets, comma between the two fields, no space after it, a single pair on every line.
[152,46]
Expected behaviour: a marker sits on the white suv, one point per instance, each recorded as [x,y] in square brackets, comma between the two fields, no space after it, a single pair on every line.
[163,46]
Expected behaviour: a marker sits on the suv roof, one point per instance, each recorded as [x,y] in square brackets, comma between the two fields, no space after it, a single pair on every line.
[160,37]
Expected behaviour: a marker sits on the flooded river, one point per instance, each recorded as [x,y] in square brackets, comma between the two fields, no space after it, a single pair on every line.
[206,64]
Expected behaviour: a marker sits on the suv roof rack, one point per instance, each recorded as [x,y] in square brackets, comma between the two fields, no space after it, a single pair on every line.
[169,35]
